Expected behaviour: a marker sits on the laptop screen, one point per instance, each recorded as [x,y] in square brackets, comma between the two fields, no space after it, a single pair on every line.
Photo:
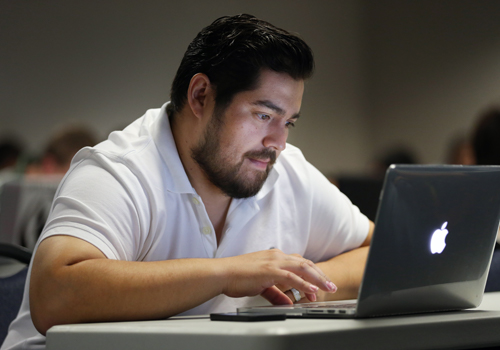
[456,208]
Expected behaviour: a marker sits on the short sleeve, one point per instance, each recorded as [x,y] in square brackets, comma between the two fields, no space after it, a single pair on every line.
[336,224]
[98,202]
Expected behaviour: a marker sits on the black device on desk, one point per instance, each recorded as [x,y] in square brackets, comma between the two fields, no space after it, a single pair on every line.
[242,317]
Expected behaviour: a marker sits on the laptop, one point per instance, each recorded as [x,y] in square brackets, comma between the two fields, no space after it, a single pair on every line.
[434,237]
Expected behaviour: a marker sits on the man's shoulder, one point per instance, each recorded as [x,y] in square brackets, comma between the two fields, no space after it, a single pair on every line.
[123,145]
[294,169]
[292,153]
[292,160]
[144,150]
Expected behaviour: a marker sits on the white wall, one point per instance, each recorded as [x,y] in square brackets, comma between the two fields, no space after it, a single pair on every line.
[107,61]
[387,71]
[432,67]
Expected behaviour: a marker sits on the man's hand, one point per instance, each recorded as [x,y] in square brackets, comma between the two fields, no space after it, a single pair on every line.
[271,273]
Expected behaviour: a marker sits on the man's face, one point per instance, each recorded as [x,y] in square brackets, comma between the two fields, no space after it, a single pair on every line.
[241,143]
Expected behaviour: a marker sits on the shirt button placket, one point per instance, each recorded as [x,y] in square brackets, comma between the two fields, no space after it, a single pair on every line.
[205,227]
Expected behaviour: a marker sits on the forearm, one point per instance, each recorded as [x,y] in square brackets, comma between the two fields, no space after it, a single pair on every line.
[101,289]
[346,271]
[73,282]
[108,290]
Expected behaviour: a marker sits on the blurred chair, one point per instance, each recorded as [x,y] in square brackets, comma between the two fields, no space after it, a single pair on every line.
[486,146]
[493,281]
[24,207]
[14,262]
[13,252]
[364,192]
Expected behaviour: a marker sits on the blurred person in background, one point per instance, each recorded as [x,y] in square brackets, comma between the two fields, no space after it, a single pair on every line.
[460,151]
[486,147]
[60,150]
[486,138]
[399,154]
[11,150]
[30,196]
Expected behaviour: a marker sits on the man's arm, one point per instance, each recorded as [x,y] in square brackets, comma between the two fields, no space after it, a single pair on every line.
[346,270]
[72,282]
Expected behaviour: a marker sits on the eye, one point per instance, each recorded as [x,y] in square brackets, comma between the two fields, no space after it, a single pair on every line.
[263,116]
[290,124]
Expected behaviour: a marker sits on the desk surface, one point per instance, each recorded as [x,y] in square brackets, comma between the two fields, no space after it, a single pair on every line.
[461,329]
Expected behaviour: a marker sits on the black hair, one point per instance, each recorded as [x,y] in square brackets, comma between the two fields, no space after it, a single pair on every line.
[232,51]
[486,139]
[11,150]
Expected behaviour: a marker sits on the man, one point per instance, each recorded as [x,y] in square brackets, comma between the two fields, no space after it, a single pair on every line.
[197,206]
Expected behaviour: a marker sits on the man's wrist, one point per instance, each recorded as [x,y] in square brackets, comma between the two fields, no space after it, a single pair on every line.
[220,273]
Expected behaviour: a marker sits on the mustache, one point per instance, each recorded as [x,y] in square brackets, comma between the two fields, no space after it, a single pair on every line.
[264,154]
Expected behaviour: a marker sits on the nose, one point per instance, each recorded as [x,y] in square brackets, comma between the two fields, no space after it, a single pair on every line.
[276,137]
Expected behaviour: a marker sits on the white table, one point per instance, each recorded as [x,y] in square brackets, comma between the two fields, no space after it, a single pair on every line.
[451,330]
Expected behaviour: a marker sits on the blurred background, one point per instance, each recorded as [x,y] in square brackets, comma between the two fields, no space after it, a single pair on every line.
[409,76]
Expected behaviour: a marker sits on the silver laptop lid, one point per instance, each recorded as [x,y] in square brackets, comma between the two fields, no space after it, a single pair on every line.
[434,237]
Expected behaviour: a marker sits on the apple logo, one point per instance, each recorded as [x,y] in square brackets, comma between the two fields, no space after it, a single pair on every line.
[438,239]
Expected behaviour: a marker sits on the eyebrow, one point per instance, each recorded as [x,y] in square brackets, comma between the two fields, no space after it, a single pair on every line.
[274,107]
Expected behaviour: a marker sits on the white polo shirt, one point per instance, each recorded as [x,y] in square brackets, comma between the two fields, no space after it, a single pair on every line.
[130,197]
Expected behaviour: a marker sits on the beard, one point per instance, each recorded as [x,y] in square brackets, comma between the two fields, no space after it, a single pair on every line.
[224,173]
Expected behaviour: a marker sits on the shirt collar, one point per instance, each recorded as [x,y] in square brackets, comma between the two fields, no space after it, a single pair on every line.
[269,184]
[178,181]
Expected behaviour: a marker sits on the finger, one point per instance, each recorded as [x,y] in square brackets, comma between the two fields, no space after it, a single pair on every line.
[290,295]
[308,271]
[285,277]
[276,296]
[302,296]
[312,264]
[311,297]
[303,268]
[282,287]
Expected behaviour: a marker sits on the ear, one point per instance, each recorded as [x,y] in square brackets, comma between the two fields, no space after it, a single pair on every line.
[200,94]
